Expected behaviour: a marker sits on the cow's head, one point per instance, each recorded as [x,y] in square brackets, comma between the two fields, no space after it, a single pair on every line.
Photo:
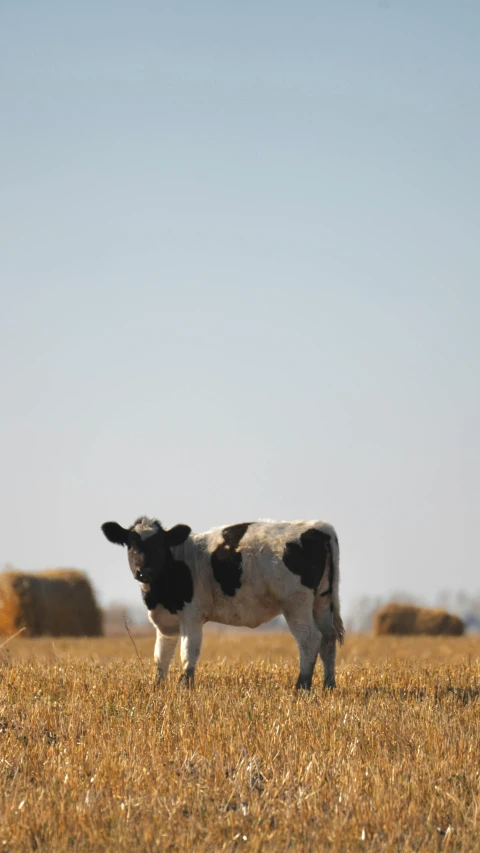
[148,545]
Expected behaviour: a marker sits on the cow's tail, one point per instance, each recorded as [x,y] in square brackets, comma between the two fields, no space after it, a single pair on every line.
[334,569]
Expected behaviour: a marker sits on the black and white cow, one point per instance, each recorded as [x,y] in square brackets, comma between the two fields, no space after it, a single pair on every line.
[243,574]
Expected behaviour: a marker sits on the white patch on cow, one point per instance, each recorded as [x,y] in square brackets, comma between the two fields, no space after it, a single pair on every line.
[147,534]
[166,622]
[146,527]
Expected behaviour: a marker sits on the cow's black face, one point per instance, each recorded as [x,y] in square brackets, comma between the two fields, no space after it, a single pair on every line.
[148,545]
[147,554]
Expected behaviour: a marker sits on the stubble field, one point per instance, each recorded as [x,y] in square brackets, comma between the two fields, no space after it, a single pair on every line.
[93,759]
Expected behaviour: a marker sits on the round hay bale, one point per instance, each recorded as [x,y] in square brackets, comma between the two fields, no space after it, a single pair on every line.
[55,602]
[405,619]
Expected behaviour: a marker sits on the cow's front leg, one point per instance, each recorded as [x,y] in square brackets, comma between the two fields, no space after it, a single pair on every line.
[163,654]
[190,647]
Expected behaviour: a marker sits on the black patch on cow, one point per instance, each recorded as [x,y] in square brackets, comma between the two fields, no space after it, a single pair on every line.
[172,588]
[308,558]
[227,561]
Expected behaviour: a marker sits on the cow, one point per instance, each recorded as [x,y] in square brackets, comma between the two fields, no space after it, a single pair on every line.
[242,575]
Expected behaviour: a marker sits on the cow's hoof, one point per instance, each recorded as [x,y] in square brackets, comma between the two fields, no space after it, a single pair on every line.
[187,679]
[304,682]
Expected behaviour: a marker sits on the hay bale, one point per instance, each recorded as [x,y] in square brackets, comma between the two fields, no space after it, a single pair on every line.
[408,619]
[56,602]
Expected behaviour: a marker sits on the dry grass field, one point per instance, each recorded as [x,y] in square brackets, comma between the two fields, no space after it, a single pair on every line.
[93,759]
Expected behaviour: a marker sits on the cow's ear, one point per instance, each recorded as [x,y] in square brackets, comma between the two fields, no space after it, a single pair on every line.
[115,533]
[176,535]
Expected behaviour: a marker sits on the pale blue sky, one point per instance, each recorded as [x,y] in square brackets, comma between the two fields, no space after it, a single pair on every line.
[240,278]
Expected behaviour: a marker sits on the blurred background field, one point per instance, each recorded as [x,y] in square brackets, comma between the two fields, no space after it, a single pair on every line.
[244,646]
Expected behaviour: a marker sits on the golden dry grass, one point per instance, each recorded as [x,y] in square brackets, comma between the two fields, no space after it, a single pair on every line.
[93,759]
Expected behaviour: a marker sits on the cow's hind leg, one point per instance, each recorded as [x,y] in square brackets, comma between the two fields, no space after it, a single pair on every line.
[328,647]
[303,627]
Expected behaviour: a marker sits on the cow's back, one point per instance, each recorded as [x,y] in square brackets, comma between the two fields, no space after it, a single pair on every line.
[242,574]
